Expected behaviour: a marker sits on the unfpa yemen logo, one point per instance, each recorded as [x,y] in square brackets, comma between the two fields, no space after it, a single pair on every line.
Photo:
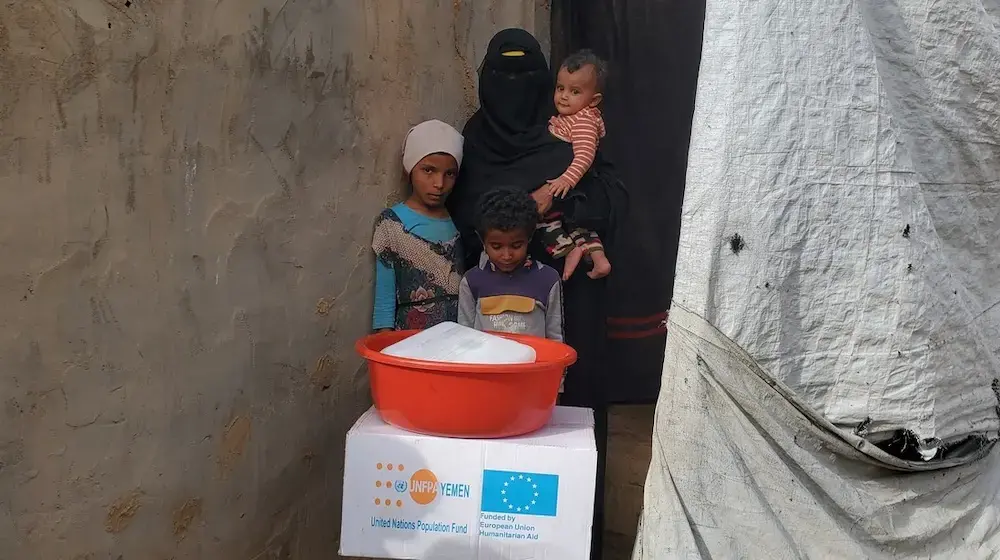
[423,486]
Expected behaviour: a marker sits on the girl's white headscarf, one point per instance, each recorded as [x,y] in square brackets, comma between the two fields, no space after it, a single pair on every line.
[431,137]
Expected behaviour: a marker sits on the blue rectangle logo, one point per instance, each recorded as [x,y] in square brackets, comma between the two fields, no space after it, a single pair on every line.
[520,493]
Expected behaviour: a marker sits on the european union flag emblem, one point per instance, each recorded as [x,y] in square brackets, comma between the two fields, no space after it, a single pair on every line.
[520,493]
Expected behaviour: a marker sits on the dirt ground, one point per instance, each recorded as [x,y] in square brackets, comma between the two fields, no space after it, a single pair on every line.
[629,448]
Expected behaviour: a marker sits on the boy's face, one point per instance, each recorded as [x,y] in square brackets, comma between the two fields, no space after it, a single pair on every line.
[507,250]
[576,90]
[433,178]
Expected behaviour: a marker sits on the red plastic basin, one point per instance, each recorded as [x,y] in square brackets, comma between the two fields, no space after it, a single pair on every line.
[465,400]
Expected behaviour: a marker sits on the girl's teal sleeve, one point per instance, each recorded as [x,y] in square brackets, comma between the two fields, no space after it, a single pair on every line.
[384,313]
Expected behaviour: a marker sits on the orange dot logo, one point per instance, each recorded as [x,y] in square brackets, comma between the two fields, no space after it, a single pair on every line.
[423,487]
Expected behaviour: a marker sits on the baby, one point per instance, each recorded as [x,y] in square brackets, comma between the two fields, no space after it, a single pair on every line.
[579,122]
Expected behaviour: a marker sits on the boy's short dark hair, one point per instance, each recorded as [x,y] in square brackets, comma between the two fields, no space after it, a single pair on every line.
[507,209]
[585,57]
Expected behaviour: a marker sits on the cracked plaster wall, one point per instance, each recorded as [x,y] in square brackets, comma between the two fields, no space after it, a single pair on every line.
[186,197]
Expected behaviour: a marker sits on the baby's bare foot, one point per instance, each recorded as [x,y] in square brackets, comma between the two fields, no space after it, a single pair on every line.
[602,266]
[572,261]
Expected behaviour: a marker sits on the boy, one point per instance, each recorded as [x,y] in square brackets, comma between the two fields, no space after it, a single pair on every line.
[508,291]
[418,260]
[579,122]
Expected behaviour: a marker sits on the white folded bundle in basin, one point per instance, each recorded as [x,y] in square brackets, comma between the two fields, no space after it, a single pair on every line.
[451,342]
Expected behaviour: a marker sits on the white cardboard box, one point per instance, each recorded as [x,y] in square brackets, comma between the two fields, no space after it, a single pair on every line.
[427,498]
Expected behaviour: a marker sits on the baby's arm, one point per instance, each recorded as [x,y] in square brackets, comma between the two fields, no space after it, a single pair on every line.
[584,136]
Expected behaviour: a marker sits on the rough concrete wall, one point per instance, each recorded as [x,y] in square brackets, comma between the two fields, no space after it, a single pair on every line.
[186,197]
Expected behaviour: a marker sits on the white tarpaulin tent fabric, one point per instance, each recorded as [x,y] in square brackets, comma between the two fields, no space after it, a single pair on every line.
[830,379]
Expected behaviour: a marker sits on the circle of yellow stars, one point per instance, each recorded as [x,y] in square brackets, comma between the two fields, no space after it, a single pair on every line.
[534,489]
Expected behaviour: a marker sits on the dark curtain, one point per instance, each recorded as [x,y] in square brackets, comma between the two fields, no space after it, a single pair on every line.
[654,50]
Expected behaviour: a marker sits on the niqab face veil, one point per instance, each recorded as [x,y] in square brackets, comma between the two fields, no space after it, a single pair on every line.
[515,90]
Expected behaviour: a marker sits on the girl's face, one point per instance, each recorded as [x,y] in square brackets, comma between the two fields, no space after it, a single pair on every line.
[433,178]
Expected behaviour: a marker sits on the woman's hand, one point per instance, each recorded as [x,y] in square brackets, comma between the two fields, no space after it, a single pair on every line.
[543,198]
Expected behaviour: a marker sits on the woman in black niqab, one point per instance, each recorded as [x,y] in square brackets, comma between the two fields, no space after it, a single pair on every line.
[507,143]
[503,138]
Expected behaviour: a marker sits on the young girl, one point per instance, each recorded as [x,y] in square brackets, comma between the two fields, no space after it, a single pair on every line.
[418,261]
[579,122]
